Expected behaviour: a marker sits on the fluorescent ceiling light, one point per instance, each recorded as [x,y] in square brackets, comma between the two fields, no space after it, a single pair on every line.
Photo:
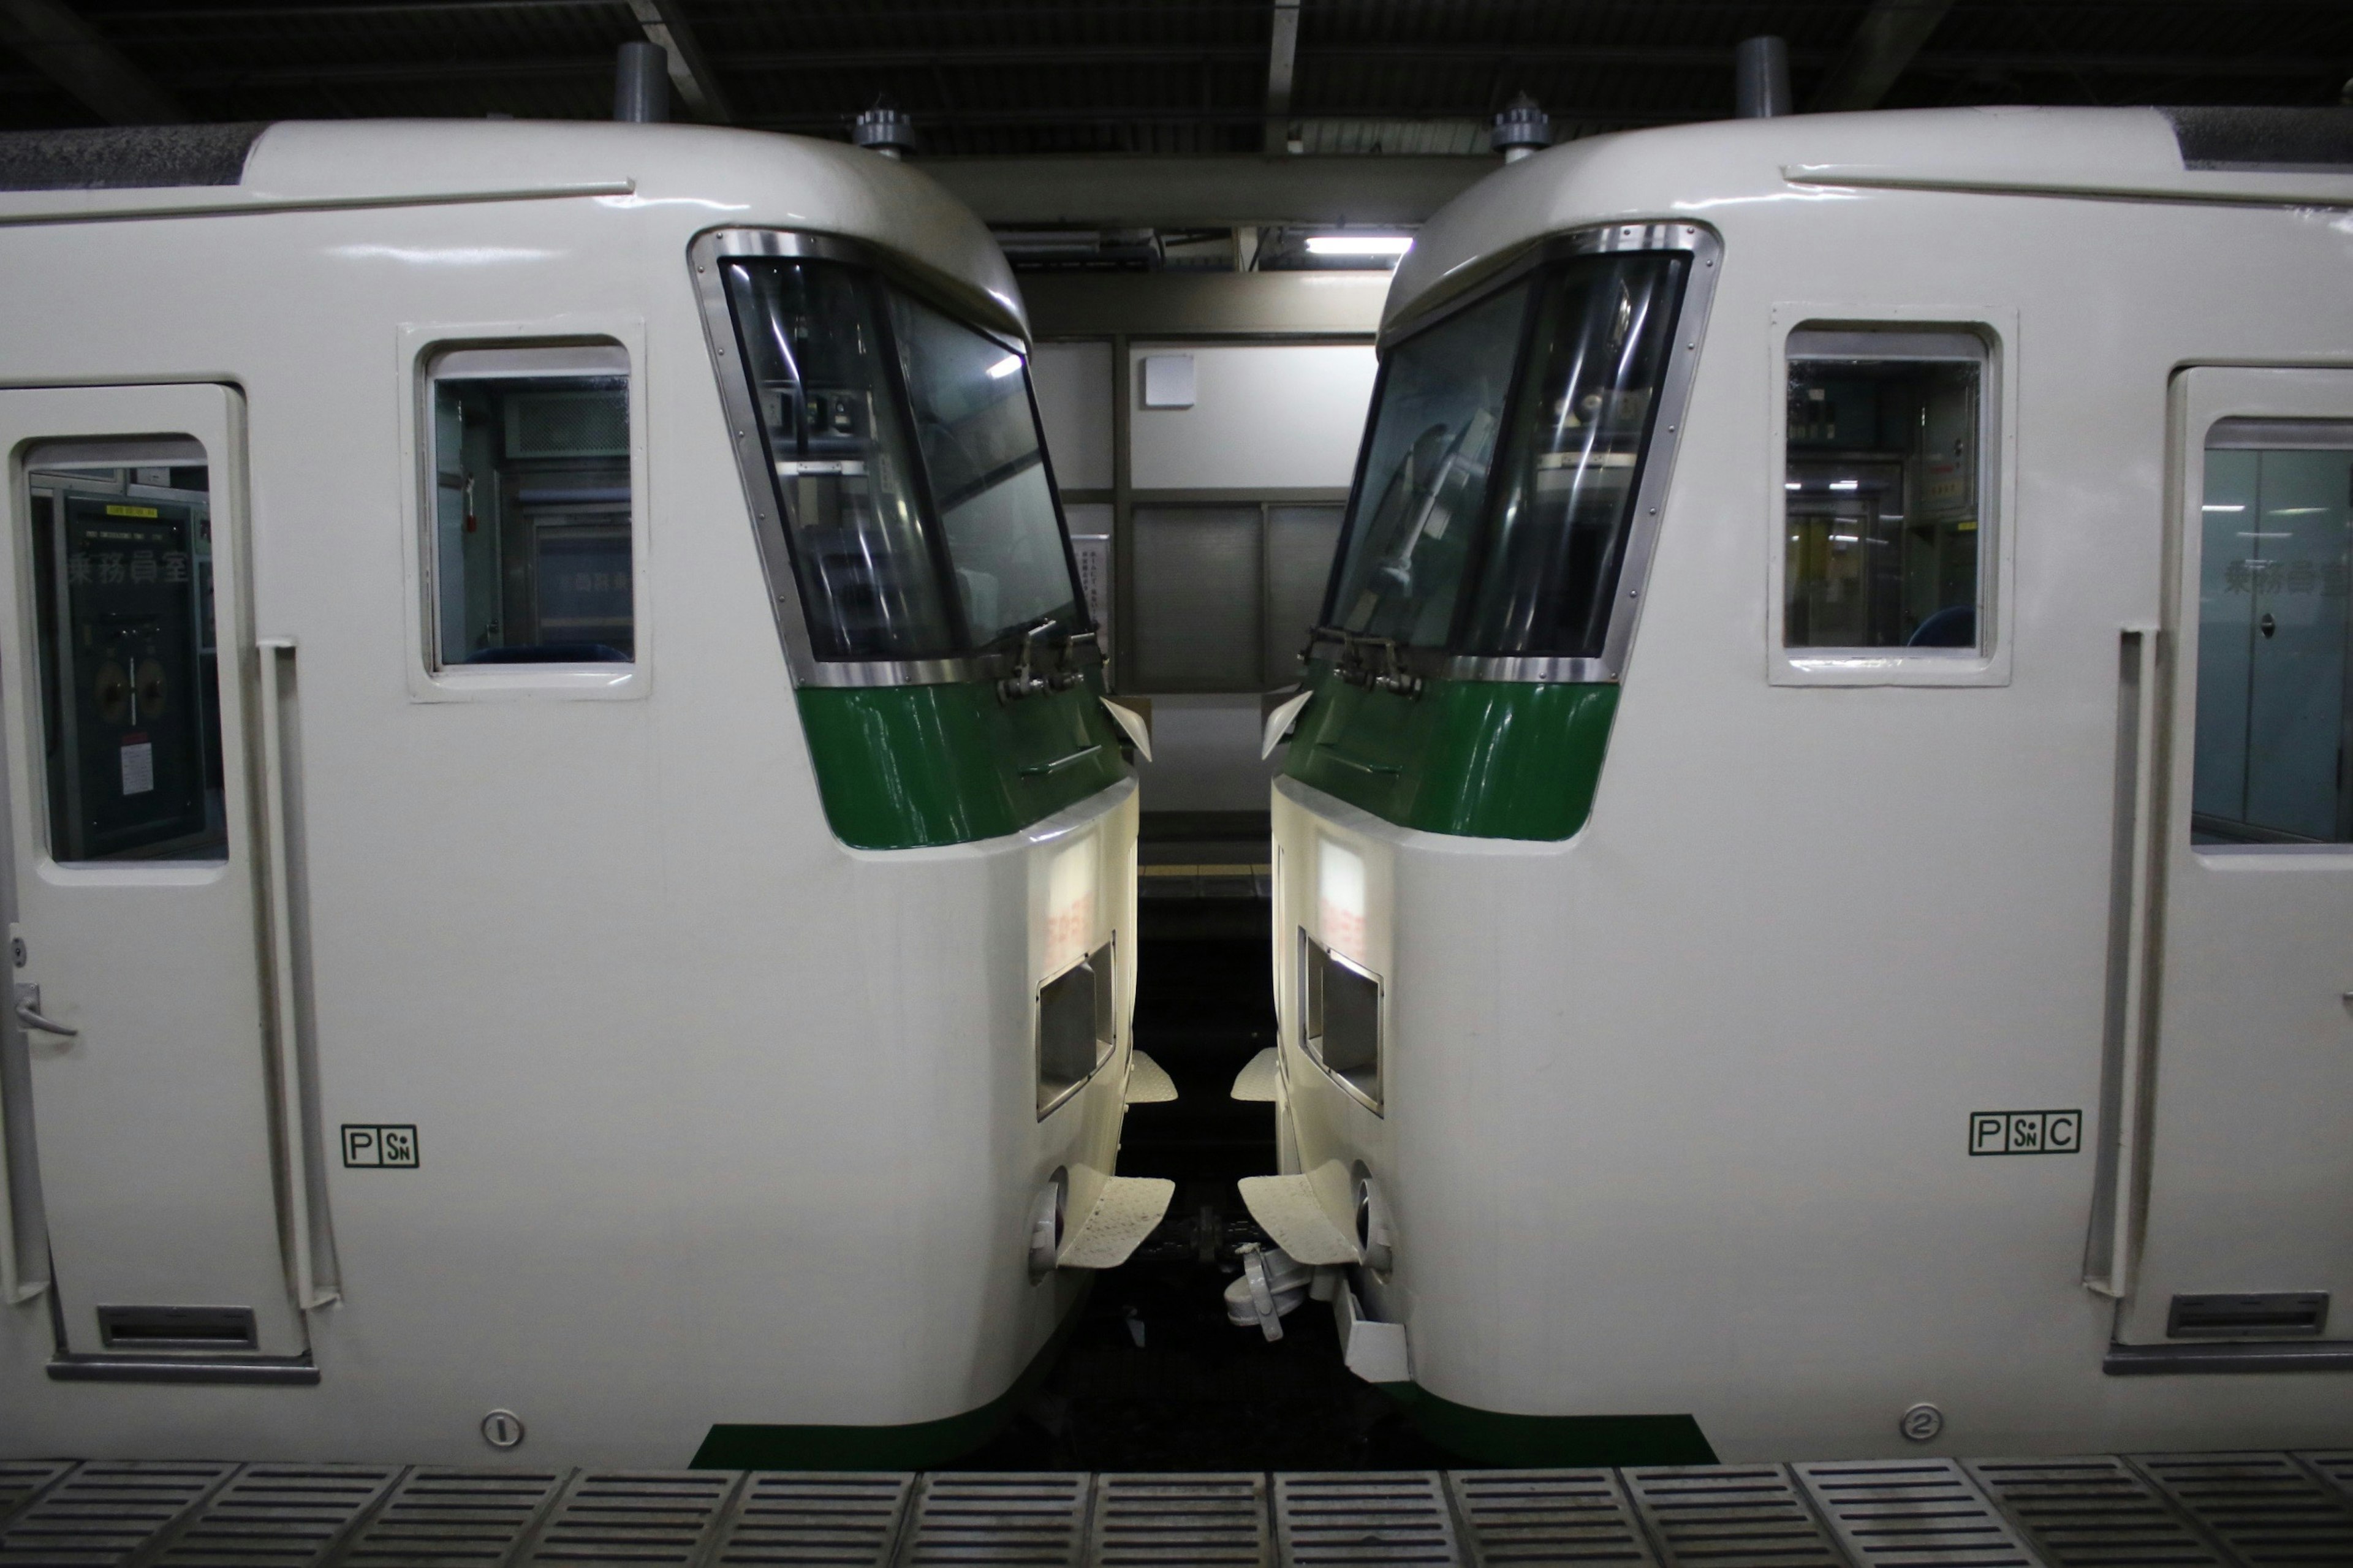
[1004,367]
[1358,244]
[1845,484]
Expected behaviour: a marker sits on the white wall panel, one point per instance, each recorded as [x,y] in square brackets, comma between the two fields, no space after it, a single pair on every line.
[1264,416]
[1074,393]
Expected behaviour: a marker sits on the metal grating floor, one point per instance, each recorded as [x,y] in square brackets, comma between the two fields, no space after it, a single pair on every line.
[2163,1510]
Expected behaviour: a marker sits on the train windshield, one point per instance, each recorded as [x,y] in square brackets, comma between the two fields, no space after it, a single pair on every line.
[1506,446]
[907,459]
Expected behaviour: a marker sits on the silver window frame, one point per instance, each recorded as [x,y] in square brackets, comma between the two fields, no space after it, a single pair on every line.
[706,254]
[1706,252]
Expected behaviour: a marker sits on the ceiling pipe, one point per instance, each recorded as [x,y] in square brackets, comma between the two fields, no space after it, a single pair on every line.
[1760,79]
[1520,130]
[641,83]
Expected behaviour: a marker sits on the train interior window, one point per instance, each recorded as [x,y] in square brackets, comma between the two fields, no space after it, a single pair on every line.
[1886,538]
[2273,645]
[530,507]
[122,551]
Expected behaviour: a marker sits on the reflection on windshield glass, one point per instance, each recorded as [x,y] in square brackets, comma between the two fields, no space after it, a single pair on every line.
[906,457]
[1538,512]
[1425,479]
[1600,341]
[988,470]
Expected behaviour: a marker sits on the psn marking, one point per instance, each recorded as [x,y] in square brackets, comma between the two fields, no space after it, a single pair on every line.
[380,1148]
[2026,1131]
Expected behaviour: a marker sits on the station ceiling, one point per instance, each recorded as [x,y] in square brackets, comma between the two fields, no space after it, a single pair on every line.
[1026,77]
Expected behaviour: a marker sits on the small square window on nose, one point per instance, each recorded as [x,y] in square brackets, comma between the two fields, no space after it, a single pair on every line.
[1340,1017]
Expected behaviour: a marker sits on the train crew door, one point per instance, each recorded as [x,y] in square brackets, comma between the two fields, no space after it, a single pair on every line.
[2249,1231]
[139,983]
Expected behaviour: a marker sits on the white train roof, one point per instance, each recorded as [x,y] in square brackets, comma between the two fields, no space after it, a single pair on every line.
[719,177]
[1706,173]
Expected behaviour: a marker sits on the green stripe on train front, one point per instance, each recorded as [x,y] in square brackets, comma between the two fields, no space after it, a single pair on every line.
[903,767]
[1480,759]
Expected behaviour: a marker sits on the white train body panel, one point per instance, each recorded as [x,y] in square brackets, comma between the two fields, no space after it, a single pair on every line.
[1678,1110]
[719,1121]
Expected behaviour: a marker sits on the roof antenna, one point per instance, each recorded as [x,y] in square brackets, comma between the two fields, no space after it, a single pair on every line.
[1760,77]
[641,83]
[1522,129]
[885,130]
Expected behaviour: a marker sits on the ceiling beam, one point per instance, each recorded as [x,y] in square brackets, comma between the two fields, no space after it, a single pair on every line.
[689,68]
[1885,42]
[56,41]
[1281,55]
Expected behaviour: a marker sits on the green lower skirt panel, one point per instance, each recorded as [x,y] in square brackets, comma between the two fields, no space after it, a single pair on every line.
[1552,1442]
[917,1445]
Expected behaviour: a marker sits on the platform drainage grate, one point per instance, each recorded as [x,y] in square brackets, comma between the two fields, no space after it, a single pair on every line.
[1731,1516]
[646,1519]
[794,1520]
[2266,1508]
[1913,1513]
[105,1511]
[1020,1520]
[442,1518]
[1180,1521]
[1327,1519]
[288,1516]
[1549,1519]
[2093,1512]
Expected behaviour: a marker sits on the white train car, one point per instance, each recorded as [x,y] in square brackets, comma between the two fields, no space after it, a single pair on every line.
[1814,892]
[566,891]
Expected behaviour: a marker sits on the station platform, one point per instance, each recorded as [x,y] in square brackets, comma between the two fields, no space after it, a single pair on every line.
[2180,1511]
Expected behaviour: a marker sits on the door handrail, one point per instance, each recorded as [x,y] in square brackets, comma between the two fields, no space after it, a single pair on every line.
[2124,1154]
[293,1125]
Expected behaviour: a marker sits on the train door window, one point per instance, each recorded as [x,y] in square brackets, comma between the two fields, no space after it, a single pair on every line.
[2273,715]
[1886,535]
[530,514]
[122,553]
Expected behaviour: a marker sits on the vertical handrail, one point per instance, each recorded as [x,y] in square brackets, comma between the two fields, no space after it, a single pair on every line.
[2108,1266]
[295,1143]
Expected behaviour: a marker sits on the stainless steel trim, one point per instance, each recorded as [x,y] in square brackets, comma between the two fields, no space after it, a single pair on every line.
[296,1371]
[2276,1355]
[1666,438]
[759,486]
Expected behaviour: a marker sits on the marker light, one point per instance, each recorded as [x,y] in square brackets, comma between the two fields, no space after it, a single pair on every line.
[1340,899]
[1004,367]
[1358,244]
[1070,905]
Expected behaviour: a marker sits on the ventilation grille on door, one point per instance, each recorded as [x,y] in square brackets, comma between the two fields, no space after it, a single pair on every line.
[1392,1517]
[2273,1315]
[1913,1512]
[452,1518]
[105,1511]
[2264,1507]
[289,1516]
[840,1520]
[1180,1521]
[2093,1513]
[642,1518]
[1540,1518]
[1037,1522]
[1732,1516]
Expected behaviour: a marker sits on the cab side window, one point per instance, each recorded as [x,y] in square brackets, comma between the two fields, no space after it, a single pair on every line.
[528,507]
[1887,468]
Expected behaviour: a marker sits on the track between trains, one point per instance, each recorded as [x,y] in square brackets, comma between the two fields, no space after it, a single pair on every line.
[2183,1511]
